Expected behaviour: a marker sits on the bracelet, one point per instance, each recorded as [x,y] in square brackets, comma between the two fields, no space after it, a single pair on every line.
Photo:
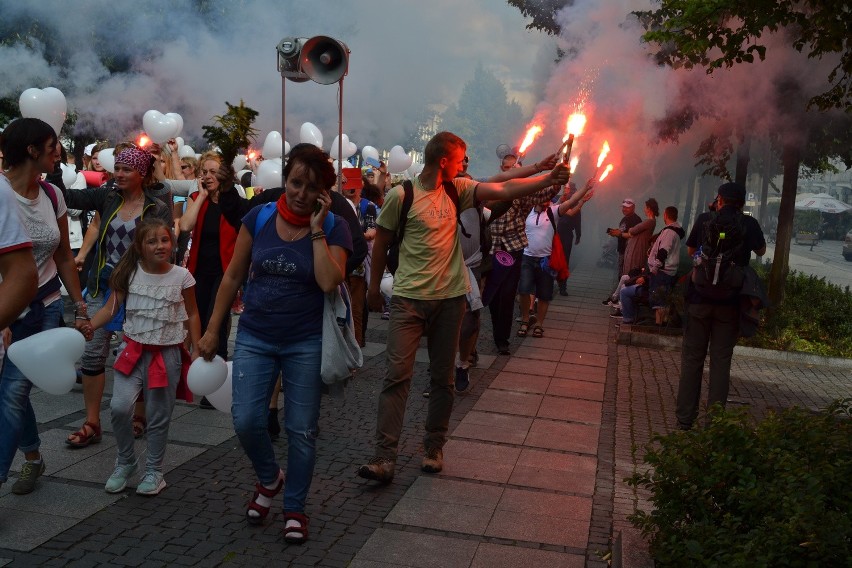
[318,235]
[82,318]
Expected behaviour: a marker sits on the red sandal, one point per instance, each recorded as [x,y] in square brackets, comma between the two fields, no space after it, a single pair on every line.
[84,439]
[268,493]
[295,528]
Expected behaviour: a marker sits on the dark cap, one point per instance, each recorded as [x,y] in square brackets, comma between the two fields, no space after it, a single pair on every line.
[732,191]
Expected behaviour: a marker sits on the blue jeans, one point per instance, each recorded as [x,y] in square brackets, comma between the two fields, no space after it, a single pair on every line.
[256,368]
[628,299]
[18,427]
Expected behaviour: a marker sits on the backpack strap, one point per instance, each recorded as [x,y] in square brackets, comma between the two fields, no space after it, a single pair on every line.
[51,194]
[263,216]
[407,200]
[363,204]
[550,216]
[453,194]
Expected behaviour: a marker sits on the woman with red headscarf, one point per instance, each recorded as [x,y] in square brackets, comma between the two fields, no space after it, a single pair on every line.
[121,207]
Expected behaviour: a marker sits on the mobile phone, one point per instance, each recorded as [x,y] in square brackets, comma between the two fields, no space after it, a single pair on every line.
[317,206]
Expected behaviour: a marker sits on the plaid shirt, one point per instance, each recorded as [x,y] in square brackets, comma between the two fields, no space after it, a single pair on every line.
[508,232]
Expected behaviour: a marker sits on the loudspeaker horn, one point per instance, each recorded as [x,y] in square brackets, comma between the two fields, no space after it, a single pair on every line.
[324,60]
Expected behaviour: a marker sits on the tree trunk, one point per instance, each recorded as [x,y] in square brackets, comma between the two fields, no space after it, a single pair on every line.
[743,157]
[764,186]
[687,207]
[790,158]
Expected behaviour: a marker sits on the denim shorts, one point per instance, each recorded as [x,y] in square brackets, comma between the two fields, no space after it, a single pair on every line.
[94,357]
[534,280]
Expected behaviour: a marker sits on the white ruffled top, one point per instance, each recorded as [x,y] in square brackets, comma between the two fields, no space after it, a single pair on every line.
[155,309]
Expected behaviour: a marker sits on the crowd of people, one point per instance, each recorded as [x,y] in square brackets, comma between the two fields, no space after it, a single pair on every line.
[163,248]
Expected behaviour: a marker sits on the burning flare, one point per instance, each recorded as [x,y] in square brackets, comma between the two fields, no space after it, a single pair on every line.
[573,166]
[143,141]
[603,154]
[605,173]
[575,126]
[532,134]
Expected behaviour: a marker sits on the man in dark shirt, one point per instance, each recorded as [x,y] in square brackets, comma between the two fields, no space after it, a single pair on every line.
[713,325]
[630,220]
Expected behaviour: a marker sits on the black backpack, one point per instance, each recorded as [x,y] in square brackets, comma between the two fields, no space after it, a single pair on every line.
[716,275]
[407,200]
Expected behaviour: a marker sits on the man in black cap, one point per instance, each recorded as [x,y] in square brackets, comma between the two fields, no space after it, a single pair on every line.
[713,322]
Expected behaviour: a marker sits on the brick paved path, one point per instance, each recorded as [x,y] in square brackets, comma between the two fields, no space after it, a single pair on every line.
[534,466]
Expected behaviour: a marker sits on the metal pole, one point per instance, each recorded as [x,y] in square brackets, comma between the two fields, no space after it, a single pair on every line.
[340,138]
[283,122]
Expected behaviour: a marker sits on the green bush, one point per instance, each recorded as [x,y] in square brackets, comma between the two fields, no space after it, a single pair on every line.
[740,493]
[815,317]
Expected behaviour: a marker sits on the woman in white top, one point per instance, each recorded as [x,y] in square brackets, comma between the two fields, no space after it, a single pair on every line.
[30,148]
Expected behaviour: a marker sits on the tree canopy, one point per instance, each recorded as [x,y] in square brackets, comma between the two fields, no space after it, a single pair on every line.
[233,130]
[722,33]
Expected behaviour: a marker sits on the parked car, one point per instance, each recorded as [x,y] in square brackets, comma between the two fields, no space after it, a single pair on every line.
[847,246]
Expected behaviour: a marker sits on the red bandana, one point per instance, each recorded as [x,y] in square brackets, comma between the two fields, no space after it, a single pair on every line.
[289,216]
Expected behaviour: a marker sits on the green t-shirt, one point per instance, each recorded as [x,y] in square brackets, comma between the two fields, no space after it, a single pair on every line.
[431,264]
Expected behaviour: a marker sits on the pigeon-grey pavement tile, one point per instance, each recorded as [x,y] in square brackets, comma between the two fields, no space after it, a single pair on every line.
[206,417]
[454,492]
[371,349]
[440,516]
[509,402]
[493,427]
[48,407]
[59,499]
[566,436]
[58,455]
[26,532]
[570,410]
[479,461]
[520,382]
[198,434]
[388,547]
[489,555]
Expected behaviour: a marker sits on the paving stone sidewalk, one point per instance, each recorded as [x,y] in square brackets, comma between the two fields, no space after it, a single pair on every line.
[533,472]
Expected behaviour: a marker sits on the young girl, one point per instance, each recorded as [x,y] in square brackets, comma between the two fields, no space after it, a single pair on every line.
[159,299]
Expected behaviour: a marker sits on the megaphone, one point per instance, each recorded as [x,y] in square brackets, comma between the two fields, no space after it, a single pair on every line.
[324,60]
[289,49]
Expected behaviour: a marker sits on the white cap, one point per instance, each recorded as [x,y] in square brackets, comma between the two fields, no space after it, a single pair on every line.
[88,150]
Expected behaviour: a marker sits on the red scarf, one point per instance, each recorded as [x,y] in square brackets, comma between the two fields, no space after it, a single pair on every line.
[289,216]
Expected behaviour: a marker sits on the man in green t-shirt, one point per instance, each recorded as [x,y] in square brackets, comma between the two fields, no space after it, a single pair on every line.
[429,291]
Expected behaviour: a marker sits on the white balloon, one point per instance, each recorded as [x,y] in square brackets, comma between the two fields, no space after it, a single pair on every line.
[158,126]
[178,122]
[353,148]
[386,285]
[286,147]
[239,162]
[47,358]
[180,142]
[414,169]
[186,151]
[369,152]
[344,163]
[345,147]
[222,397]
[206,377]
[107,159]
[272,146]
[398,161]
[69,175]
[47,104]
[269,174]
[241,173]
[310,134]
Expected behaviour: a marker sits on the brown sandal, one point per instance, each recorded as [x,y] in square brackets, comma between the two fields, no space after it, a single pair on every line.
[140,426]
[84,439]
[522,331]
[295,528]
[538,331]
[260,509]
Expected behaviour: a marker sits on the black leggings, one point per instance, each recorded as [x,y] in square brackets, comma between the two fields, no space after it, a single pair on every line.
[206,288]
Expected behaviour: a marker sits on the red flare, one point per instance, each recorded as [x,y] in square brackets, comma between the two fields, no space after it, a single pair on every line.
[605,173]
[532,134]
[143,141]
[603,154]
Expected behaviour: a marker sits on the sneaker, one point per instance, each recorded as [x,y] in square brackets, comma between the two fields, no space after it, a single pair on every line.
[118,480]
[616,314]
[433,461]
[378,469]
[462,381]
[30,471]
[474,358]
[151,484]
[608,301]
